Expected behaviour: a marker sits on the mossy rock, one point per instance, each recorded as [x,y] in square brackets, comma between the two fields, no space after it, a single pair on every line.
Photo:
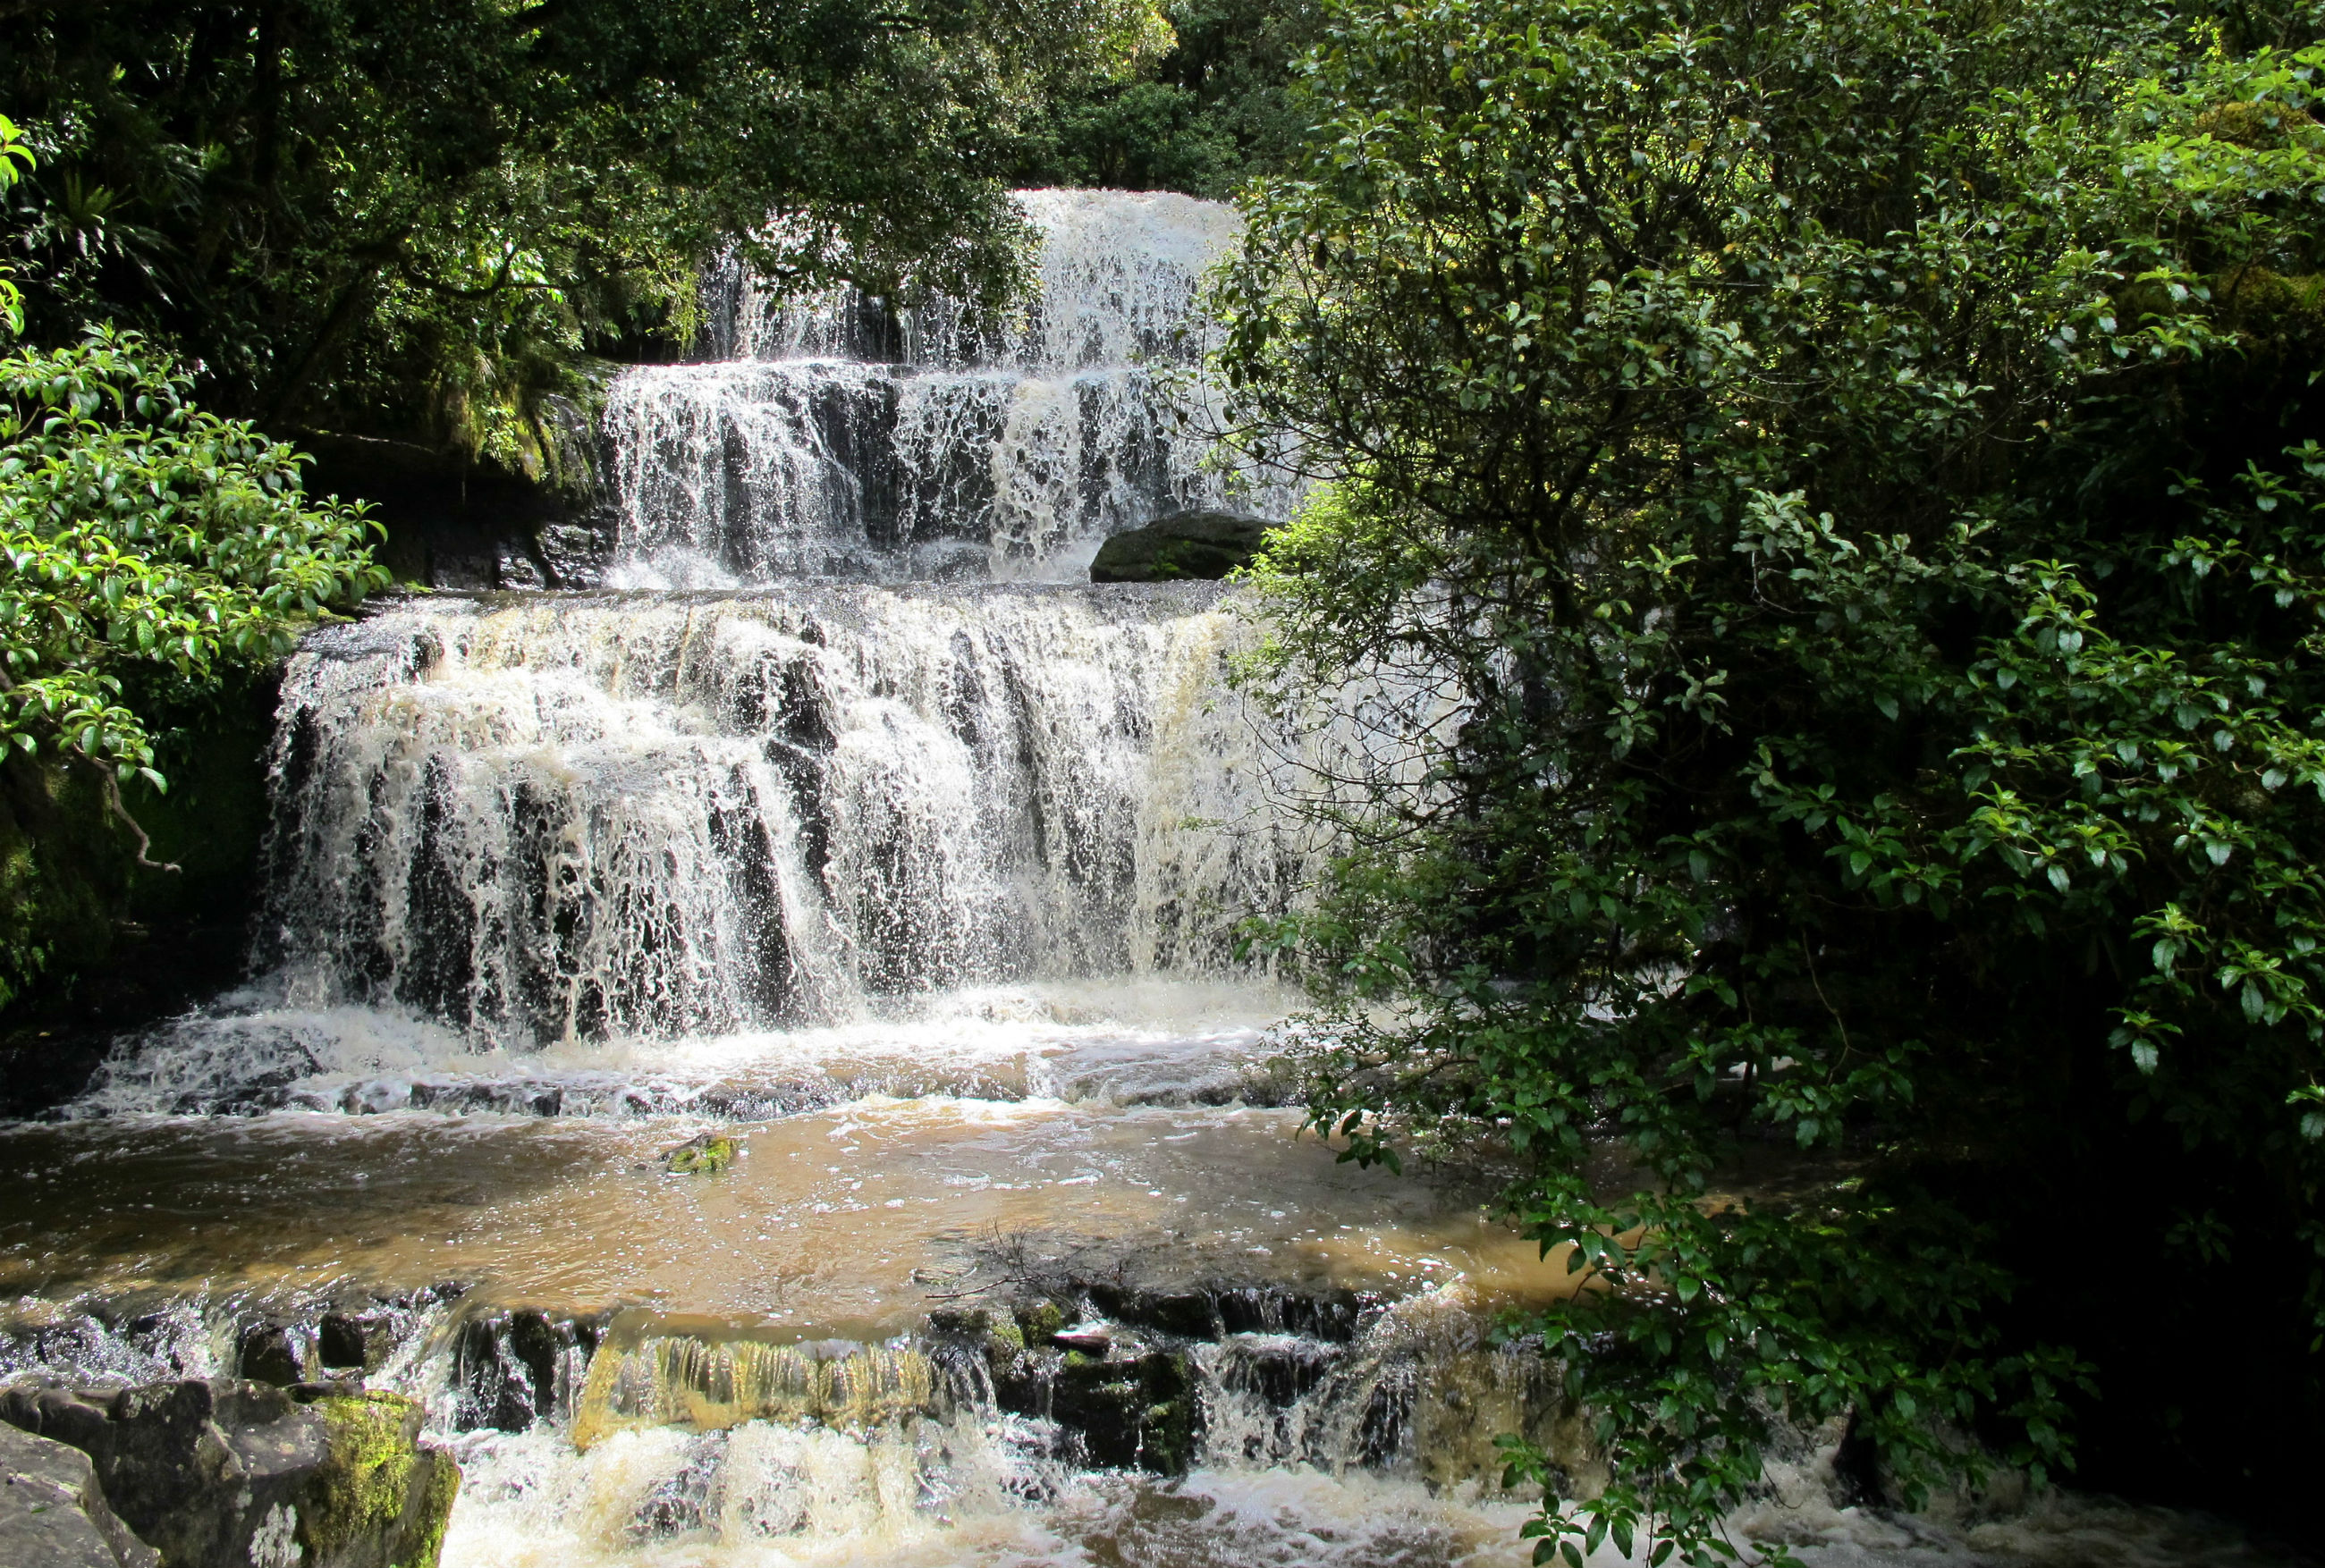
[1130,1415]
[994,1333]
[1190,546]
[381,1497]
[707,1154]
[1039,1320]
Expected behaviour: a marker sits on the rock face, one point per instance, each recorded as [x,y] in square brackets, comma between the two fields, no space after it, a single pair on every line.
[52,1513]
[236,1474]
[1186,545]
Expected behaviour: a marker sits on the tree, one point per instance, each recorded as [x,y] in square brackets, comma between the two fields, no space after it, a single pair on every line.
[1204,115]
[1836,487]
[146,546]
[359,213]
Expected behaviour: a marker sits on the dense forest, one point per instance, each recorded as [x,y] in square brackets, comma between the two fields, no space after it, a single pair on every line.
[1855,472]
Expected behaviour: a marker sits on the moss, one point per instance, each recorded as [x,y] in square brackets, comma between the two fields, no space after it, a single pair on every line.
[423,1535]
[2251,125]
[377,1486]
[1004,1340]
[1040,1320]
[702,1156]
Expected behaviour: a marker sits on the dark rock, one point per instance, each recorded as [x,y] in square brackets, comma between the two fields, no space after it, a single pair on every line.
[1186,545]
[1189,1314]
[1129,1414]
[360,1340]
[454,521]
[53,1513]
[1324,1314]
[229,1473]
[268,1353]
[506,1365]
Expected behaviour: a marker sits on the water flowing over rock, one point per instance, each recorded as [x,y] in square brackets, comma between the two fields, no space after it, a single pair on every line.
[841,438]
[548,819]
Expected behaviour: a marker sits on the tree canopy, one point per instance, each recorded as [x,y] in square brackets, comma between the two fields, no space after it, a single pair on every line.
[1837,489]
[359,214]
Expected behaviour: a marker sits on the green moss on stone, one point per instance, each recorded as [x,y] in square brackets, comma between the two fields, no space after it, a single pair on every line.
[423,1535]
[1040,1320]
[379,1496]
[1004,1339]
[703,1156]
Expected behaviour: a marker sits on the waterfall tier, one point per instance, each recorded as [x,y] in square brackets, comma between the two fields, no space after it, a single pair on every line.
[550,818]
[838,438]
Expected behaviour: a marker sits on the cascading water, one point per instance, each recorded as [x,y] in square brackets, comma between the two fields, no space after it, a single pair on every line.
[844,439]
[850,826]
[702,814]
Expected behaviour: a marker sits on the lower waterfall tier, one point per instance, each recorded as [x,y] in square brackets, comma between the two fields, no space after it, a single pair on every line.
[537,818]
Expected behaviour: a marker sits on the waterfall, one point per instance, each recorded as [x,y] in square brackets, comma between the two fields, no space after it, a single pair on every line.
[845,437]
[834,742]
[695,814]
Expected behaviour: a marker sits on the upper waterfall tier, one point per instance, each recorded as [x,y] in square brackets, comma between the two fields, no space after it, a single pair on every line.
[560,817]
[1115,284]
[841,439]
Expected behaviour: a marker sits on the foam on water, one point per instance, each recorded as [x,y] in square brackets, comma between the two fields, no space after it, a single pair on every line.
[1127,1041]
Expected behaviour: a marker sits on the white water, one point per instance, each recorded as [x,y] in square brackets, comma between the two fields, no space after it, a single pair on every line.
[840,439]
[546,820]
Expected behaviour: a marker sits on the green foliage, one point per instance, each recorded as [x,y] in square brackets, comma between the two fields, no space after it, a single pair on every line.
[1838,490]
[143,535]
[361,213]
[1214,109]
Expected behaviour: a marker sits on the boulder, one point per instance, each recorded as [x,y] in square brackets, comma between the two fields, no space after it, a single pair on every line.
[53,1513]
[236,1474]
[1186,546]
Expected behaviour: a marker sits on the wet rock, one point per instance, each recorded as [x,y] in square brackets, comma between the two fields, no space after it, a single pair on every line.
[229,1473]
[1326,1314]
[1184,546]
[1037,1321]
[269,1352]
[1188,1314]
[994,1333]
[506,1366]
[682,1502]
[1129,1414]
[361,1341]
[53,1513]
[705,1154]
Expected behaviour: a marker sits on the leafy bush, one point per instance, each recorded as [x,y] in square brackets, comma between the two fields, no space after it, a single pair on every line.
[1844,484]
[147,549]
[364,214]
